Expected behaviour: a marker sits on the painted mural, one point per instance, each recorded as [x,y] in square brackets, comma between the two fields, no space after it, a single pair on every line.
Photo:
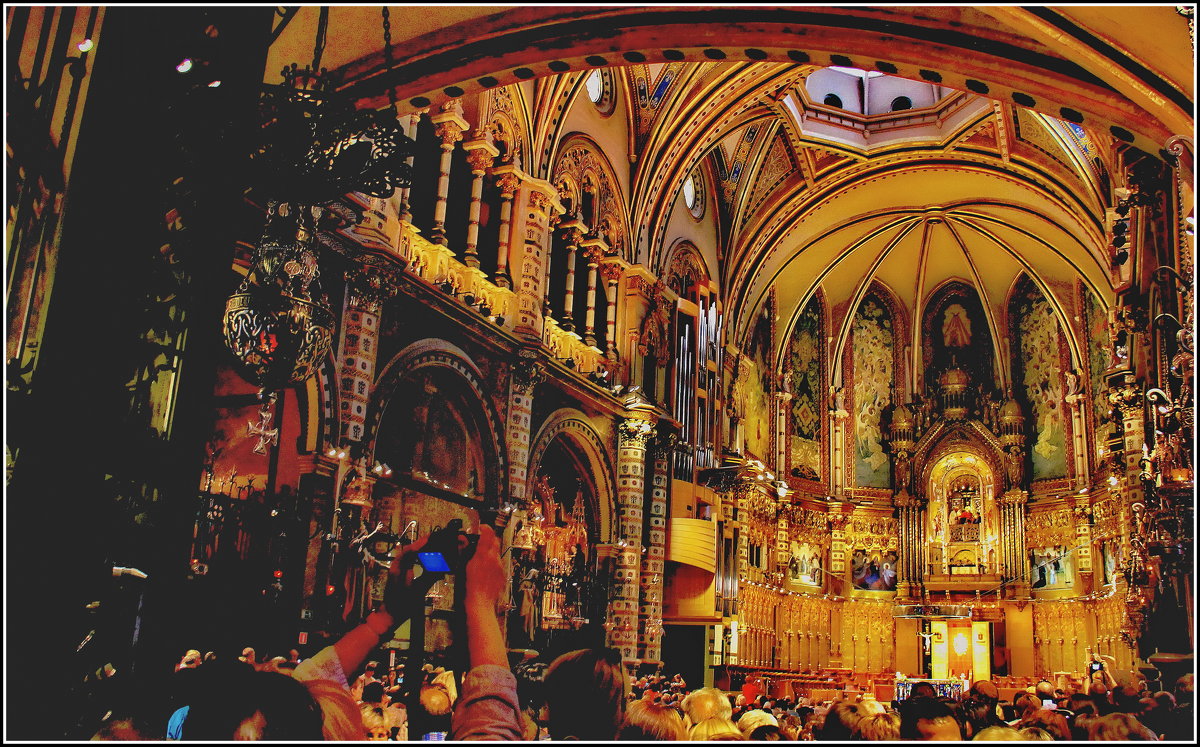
[806,565]
[873,377]
[756,378]
[873,570]
[1040,363]
[1051,568]
[804,378]
[1100,355]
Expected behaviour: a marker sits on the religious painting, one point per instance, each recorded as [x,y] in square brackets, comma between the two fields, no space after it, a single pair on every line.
[806,565]
[1108,560]
[1051,568]
[757,414]
[872,340]
[1100,357]
[955,333]
[803,376]
[1040,366]
[872,570]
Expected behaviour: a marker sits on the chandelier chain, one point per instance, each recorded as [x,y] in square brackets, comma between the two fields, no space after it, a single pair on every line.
[387,50]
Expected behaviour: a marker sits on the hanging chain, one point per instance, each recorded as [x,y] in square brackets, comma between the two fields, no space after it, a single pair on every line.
[387,51]
[319,48]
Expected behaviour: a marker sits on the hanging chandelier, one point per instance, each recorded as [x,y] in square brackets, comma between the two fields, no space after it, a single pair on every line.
[313,147]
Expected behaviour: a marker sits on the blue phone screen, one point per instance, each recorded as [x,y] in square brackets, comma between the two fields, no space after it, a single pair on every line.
[433,561]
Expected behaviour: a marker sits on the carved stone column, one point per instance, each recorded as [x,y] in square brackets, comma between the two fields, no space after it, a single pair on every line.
[912,545]
[533,250]
[508,182]
[405,210]
[450,128]
[654,561]
[526,374]
[593,252]
[572,234]
[1012,507]
[611,272]
[481,153]
[633,433]
[366,288]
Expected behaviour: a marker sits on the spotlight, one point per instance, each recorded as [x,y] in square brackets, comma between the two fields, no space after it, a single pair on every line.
[85,45]
[215,84]
[184,66]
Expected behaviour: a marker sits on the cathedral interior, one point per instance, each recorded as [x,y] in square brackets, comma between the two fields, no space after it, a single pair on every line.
[785,341]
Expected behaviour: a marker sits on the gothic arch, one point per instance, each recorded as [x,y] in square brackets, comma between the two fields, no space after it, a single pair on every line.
[900,331]
[581,160]
[967,436]
[684,262]
[456,366]
[573,425]
[936,302]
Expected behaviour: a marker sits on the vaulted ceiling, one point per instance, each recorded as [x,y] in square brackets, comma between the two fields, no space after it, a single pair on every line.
[1003,176]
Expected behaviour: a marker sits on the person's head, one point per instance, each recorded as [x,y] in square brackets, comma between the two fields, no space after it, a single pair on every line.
[1025,703]
[928,720]
[1050,721]
[1185,688]
[1119,727]
[715,729]
[706,703]
[1099,689]
[375,723]
[878,727]
[372,693]
[839,722]
[1044,690]
[1034,734]
[585,695]
[923,690]
[985,691]
[998,734]
[294,655]
[1081,703]
[647,721]
[1081,726]
[754,719]
[240,704]
[1164,700]
[435,700]
[766,733]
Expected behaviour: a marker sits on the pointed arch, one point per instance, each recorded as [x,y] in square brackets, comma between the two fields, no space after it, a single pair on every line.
[582,160]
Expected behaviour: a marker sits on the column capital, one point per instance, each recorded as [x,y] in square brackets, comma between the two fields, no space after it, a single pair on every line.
[636,430]
[480,155]
[612,268]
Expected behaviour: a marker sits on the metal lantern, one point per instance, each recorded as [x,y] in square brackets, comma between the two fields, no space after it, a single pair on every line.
[272,324]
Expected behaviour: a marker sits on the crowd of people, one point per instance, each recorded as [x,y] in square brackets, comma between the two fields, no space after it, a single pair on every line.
[342,692]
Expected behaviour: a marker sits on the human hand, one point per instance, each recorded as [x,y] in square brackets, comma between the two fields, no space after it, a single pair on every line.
[486,578]
[398,595]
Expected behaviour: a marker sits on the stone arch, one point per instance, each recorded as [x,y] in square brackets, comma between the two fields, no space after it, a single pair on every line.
[573,425]
[685,264]
[460,369]
[580,160]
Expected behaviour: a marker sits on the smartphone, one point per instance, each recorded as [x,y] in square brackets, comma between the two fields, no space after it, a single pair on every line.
[433,561]
[1049,704]
[1095,666]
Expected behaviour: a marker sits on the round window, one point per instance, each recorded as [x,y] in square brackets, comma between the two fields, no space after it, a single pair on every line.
[900,103]
[832,99]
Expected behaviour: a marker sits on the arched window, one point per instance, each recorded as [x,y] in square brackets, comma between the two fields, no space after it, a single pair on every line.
[595,87]
[693,195]
[832,99]
[901,103]
[600,90]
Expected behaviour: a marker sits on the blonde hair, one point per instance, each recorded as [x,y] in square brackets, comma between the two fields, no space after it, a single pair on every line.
[998,734]
[878,727]
[715,730]
[707,702]
[436,700]
[1034,734]
[647,720]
